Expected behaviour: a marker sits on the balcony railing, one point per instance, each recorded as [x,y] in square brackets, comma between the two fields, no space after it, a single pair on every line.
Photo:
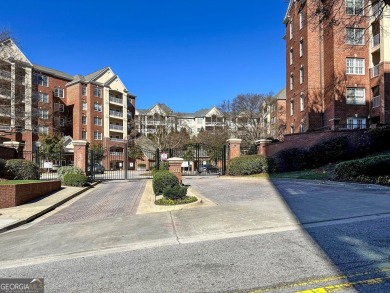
[116,127]
[116,153]
[5,93]
[5,74]
[376,40]
[116,100]
[376,101]
[376,10]
[5,128]
[116,113]
[20,79]
[116,139]
[375,71]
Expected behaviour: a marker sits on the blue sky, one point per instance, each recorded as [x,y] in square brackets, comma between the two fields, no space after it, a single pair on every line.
[187,54]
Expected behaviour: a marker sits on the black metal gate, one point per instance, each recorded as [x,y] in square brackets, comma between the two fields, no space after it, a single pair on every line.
[49,163]
[117,165]
[198,159]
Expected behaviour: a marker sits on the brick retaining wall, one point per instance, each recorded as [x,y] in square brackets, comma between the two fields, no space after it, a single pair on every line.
[308,139]
[16,194]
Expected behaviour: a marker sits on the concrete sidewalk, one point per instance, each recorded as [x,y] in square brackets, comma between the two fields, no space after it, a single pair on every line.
[16,216]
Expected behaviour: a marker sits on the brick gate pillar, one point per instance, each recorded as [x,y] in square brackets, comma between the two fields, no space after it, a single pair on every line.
[81,154]
[261,144]
[175,167]
[234,148]
[18,146]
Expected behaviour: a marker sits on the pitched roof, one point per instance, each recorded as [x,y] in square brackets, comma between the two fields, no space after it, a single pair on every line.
[281,95]
[53,72]
[92,76]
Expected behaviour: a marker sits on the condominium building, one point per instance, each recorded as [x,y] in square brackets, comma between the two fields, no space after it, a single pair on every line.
[336,75]
[36,99]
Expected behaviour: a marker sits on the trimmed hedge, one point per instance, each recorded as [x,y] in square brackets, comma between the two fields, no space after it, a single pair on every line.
[175,192]
[363,169]
[62,171]
[22,170]
[77,180]
[3,169]
[162,180]
[289,160]
[246,165]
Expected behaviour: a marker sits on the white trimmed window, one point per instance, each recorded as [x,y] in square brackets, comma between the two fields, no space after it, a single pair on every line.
[97,91]
[97,121]
[43,98]
[291,56]
[356,96]
[302,102]
[59,107]
[301,127]
[355,66]
[59,92]
[354,36]
[40,79]
[291,81]
[301,20]
[354,7]
[84,90]
[301,75]
[43,114]
[97,107]
[301,48]
[84,120]
[97,135]
[84,106]
[292,129]
[43,129]
[83,135]
[356,123]
[291,29]
[292,107]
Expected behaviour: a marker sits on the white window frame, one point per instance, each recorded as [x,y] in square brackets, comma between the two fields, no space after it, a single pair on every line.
[97,135]
[97,91]
[355,66]
[302,102]
[292,110]
[301,19]
[97,107]
[43,129]
[291,25]
[354,36]
[301,128]
[353,99]
[83,134]
[62,121]
[83,120]
[84,106]
[61,107]
[84,90]
[40,79]
[301,75]
[43,114]
[59,92]
[356,123]
[301,48]
[98,121]
[43,97]
[291,81]
[353,8]
[291,56]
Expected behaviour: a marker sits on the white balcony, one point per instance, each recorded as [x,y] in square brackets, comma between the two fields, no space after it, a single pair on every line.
[116,139]
[5,74]
[116,114]
[376,40]
[375,71]
[116,153]
[114,127]
[376,101]
[5,128]
[116,100]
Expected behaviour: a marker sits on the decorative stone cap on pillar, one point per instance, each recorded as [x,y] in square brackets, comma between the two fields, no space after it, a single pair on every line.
[261,143]
[234,147]
[175,167]
[80,142]
[13,144]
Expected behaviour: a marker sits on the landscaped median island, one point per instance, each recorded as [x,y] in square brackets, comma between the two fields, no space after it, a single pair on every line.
[167,185]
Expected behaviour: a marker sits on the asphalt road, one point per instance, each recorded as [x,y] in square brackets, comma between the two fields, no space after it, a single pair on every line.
[342,244]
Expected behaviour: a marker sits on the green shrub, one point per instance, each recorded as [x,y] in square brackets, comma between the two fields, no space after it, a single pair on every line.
[62,171]
[169,202]
[380,138]
[175,192]
[78,180]
[359,170]
[162,180]
[329,151]
[22,170]
[3,169]
[246,165]
[289,160]
[142,165]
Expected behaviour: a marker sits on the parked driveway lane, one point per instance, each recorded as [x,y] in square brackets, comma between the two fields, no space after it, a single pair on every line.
[109,199]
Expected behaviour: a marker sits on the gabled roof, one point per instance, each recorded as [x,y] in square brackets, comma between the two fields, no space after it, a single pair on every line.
[54,72]
[95,75]
[290,4]
[281,95]
[10,51]
[201,112]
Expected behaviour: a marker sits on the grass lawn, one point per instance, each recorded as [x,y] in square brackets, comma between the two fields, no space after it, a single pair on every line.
[19,182]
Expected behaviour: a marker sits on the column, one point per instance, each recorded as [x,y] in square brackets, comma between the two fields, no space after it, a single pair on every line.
[234,148]
[18,146]
[175,167]
[81,154]
[261,146]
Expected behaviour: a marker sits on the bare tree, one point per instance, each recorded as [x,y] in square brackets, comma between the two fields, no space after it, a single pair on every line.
[247,116]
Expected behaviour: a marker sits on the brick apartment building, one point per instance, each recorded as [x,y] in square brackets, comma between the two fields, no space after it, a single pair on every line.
[337,76]
[35,99]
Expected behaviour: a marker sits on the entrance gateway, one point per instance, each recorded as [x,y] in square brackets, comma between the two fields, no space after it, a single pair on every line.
[119,164]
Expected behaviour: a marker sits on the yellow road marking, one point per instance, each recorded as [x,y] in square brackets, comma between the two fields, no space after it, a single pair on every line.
[320,280]
[338,287]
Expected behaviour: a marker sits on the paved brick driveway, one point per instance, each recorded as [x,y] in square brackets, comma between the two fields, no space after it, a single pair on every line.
[109,199]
